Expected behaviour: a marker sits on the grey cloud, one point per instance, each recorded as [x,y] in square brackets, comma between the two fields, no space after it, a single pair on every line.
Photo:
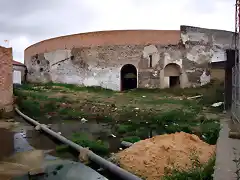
[37,20]
[14,8]
[42,18]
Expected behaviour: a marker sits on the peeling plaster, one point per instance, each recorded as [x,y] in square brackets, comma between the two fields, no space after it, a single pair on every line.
[100,65]
[205,79]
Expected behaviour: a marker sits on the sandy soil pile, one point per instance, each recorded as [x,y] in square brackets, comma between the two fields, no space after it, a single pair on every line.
[151,157]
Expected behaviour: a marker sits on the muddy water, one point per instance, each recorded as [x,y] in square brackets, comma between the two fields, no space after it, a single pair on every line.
[7,145]
[42,141]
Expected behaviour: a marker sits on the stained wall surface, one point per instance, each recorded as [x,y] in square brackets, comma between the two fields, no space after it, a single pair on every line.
[96,59]
[6,85]
[204,46]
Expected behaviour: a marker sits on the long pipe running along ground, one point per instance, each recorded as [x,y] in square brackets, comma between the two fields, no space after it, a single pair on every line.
[93,157]
[126,144]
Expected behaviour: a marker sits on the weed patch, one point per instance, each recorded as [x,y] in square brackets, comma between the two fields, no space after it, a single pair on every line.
[136,113]
[97,146]
[196,172]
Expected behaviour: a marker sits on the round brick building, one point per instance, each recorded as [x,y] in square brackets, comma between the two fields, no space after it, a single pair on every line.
[119,60]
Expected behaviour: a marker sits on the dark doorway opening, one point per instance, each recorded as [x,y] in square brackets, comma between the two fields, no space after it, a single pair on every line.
[174,81]
[229,64]
[128,77]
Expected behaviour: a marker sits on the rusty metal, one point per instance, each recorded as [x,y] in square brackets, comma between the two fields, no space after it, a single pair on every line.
[235,108]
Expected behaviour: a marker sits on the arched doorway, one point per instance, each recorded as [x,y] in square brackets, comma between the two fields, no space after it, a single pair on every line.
[172,72]
[128,77]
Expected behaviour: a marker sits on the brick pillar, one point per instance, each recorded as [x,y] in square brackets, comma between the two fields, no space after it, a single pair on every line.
[6,82]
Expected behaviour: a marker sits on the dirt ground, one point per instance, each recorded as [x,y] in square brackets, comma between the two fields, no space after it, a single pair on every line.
[152,158]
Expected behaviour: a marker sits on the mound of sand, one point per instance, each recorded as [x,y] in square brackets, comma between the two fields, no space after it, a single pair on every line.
[150,158]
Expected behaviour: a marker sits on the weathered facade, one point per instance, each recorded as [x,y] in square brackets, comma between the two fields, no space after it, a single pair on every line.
[121,60]
[218,70]
[6,85]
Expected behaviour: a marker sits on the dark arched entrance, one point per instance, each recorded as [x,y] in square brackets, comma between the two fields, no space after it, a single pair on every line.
[128,77]
[173,71]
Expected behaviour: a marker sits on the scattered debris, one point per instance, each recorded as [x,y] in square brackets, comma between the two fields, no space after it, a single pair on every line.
[23,134]
[143,96]
[100,169]
[195,97]
[136,108]
[113,135]
[83,120]
[217,104]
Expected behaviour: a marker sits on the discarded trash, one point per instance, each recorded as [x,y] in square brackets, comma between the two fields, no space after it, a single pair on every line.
[217,104]
[195,97]
[113,135]
[83,120]
[100,169]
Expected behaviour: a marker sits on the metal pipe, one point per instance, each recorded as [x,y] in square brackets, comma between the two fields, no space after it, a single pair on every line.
[126,144]
[92,156]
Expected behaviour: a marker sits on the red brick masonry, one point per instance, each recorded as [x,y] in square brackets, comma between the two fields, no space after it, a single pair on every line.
[104,38]
[6,82]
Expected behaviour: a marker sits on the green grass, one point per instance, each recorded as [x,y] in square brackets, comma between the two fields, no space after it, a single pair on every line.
[131,139]
[171,122]
[158,111]
[196,172]
[97,146]
[164,110]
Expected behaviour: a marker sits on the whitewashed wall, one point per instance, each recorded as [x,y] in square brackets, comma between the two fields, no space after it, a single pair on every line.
[17,77]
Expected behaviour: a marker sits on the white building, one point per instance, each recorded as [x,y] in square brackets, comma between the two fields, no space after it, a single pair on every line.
[19,71]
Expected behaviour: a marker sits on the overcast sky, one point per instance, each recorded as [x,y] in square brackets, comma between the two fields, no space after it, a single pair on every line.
[24,22]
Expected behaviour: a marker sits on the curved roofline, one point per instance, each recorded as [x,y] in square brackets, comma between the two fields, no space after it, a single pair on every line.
[92,32]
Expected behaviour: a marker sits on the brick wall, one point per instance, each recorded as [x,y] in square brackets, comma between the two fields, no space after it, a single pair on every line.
[104,38]
[6,86]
